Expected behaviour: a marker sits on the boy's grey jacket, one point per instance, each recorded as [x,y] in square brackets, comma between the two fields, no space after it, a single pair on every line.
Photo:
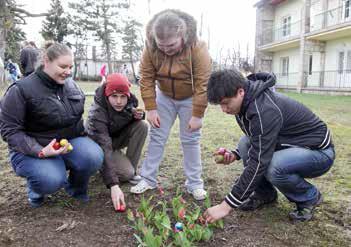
[272,121]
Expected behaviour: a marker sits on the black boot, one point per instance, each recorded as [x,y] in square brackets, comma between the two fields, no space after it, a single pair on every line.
[305,212]
[256,201]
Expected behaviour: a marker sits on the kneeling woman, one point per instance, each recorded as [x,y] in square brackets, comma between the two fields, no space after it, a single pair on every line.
[40,110]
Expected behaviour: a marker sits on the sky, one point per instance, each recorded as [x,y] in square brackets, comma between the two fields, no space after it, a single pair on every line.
[230,23]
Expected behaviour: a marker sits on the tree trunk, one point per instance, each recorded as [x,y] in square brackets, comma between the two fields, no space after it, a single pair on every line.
[133,69]
[108,51]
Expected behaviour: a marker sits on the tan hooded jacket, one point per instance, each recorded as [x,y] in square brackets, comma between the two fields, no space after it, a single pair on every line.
[179,76]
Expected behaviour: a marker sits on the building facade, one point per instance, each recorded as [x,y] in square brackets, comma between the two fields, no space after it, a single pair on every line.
[306,43]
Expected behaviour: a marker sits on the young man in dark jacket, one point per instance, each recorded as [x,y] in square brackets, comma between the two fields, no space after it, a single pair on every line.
[284,143]
[29,57]
[115,122]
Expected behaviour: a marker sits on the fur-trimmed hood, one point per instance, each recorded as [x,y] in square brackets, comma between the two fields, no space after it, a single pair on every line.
[191,29]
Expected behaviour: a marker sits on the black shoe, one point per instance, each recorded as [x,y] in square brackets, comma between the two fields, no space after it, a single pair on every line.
[256,201]
[305,213]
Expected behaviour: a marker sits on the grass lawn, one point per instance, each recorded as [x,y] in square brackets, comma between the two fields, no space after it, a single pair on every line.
[98,225]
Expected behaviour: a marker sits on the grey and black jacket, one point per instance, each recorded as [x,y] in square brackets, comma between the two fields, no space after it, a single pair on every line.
[272,122]
[104,124]
[36,110]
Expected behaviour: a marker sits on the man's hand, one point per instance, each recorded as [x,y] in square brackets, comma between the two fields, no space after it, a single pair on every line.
[153,118]
[49,150]
[195,123]
[228,156]
[217,212]
[117,197]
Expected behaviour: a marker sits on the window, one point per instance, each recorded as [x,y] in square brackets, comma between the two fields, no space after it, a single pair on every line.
[341,62]
[346,9]
[286,26]
[284,64]
[310,62]
[348,62]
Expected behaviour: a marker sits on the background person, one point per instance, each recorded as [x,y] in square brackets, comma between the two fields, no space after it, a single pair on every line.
[29,58]
[179,64]
[37,111]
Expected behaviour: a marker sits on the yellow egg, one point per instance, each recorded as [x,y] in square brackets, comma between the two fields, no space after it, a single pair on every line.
[70,147]
[63,142]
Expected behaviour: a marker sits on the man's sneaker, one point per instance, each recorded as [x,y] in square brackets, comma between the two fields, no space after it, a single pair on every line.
[135,180]
[198,194]
[141,187]
[36,203]
[256,201]
[305,213]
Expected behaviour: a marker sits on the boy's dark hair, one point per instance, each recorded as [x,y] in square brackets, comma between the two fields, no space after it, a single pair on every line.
[224,84]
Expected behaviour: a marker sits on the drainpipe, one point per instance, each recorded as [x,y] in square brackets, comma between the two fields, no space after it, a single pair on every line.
[305,26]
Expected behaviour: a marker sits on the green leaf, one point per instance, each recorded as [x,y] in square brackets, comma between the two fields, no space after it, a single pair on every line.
[207,234]
[207,202]
[130,215]
[139,239]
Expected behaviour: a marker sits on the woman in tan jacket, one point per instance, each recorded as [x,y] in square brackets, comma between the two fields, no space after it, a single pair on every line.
[174,69]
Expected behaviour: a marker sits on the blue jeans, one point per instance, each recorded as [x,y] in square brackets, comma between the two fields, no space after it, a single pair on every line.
[288,170]
[46,176]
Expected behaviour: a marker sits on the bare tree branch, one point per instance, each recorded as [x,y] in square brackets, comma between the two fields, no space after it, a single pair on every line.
[28,14]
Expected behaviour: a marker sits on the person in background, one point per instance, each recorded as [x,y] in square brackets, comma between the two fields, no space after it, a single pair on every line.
[174,69]
[29,58]
[37,112]
[12,68]
[284,143]
[115,122]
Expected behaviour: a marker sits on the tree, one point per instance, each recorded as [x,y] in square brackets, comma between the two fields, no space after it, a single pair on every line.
[79,35]
[11,15]
[55,26]
[14,37]
[100,17]
[132,43]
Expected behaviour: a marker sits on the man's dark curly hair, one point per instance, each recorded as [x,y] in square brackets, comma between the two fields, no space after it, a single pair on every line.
[224,84]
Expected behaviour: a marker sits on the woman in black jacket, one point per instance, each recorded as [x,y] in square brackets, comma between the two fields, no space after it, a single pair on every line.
[39,111]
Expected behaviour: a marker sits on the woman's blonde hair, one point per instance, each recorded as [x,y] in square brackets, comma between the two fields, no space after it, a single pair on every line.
[53,50]
[169,24]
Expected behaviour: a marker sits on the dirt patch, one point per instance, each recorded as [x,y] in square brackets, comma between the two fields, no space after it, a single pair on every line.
[63,221]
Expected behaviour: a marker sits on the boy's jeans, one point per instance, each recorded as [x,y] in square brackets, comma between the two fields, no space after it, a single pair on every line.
[46,176]
[288,170]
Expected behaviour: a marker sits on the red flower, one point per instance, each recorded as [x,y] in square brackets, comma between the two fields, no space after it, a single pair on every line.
[161,191]
[181,213]
[181,199]
[201,220]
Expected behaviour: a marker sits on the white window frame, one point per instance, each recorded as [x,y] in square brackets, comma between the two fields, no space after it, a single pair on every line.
[286,26]
[284,66]
[341,62]
[346,9]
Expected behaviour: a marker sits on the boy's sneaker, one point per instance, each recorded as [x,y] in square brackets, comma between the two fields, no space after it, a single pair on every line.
[141,187]
[305,213]
[198,194]
[256,201]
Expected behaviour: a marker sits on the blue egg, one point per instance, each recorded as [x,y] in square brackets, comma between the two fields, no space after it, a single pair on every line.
[178,226]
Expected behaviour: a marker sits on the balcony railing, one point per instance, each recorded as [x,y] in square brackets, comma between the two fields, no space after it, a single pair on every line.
[287,80]
[330,18]
[283,33]
[330,79]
